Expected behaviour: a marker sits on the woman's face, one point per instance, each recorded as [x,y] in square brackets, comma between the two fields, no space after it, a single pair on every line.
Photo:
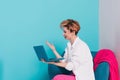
[67,34]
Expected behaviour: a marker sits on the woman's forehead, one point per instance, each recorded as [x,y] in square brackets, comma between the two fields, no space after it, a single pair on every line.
[65,29]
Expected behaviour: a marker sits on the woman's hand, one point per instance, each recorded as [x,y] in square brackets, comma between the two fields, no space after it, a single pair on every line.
[60,64]
[52,47]
[42,60]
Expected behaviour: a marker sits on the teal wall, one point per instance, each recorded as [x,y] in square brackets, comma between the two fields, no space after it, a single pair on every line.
[25,23]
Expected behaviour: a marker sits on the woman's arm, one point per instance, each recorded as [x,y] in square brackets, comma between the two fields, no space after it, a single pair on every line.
[52,47]
[60,64]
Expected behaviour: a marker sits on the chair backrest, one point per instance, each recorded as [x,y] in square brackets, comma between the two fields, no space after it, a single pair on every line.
[102,71]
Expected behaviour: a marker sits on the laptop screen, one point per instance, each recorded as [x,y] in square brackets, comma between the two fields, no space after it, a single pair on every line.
[40,52]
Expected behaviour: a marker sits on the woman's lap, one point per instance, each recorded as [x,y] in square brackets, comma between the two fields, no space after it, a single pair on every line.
[64,77]
[55,70]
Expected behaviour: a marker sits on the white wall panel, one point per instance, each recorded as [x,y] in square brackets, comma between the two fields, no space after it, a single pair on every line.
[109,21]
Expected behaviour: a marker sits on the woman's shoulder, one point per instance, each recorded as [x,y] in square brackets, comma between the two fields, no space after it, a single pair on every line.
[80,42]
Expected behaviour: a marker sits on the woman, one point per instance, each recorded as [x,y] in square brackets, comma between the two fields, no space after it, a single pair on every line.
[77,56]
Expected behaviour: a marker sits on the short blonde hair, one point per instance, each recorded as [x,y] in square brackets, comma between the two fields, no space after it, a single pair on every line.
[71,25]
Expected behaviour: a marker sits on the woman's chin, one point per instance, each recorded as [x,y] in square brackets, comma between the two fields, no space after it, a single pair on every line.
[66,38]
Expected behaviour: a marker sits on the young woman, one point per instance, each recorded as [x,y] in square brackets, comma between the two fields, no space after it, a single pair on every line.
[77,56]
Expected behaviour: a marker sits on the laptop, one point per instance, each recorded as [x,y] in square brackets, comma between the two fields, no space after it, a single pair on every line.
[41,54]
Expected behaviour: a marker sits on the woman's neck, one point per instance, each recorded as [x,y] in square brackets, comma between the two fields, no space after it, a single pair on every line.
[73,39]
